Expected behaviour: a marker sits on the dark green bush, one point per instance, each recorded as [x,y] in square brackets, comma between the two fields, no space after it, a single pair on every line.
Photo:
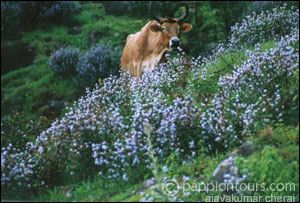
[140,8]
[10,17]
[64,61]
[270,170]
[100,61]
[28,14]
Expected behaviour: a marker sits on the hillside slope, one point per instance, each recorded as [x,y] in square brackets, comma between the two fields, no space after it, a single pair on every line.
[127,138]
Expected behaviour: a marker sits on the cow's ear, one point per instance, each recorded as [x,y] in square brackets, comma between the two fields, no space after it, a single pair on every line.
[155,27]
[185,27]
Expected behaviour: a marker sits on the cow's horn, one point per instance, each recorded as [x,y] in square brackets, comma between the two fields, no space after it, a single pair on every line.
[185,15]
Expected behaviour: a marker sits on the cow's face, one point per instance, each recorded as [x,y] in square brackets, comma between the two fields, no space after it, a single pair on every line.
[171,28]
[170,31]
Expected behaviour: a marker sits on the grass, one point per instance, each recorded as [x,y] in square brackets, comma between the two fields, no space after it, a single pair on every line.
[92,192]
[30,90]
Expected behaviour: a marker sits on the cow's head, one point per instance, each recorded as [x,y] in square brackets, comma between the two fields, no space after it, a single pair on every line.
[170,28]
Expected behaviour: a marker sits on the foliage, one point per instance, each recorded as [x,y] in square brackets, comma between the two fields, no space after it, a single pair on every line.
[259,6]
[252,94]
[205,27]
[261,172]
[117,7]
[215,22]
[34,92]
[64,61]
[266,168]
[100,61]
[93,191]
[104,129]
[228,13]
[43,12]
[27,14]
[37,87]
[21,129]
[138,8]
[281,135]
[212,23]
[10,17]
[265,26]
[196,106]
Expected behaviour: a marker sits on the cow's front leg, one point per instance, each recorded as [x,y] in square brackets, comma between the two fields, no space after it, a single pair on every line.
[137,69]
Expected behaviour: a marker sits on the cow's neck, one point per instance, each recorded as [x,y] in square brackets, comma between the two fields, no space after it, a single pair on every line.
[154,49]
[160,48]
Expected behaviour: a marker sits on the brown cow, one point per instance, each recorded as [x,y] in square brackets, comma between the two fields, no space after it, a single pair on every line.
[144,49]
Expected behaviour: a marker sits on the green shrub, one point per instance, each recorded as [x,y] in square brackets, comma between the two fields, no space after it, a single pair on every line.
[281,135]
[64,61]
[269,170]
[10,17]
[265,26]
[100,61]
[27,14]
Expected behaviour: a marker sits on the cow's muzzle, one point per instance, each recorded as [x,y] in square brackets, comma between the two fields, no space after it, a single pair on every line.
[174,43]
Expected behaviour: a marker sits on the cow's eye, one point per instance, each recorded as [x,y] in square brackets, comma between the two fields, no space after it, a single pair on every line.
[164,29]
